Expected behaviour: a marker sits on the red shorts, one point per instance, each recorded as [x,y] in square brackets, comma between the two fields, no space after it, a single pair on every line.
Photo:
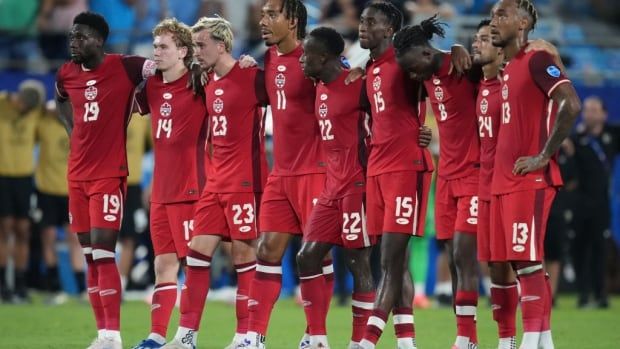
[96,204]
[483,236]
[288,201]
[339,222]
[519,224]
[230,215]
[456,206]
[397,202]
[171,227]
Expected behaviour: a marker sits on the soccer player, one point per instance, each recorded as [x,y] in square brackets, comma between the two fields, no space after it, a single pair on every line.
[399,171]
[19,114]
[504,293]
[456,201]
[53,201]
[95,94]
[228,206]
[540,102]
[179,129]
[298,174]
[339,216]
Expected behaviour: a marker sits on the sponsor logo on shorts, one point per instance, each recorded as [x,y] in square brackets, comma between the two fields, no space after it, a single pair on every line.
[518,248]
[496,306]
[351,237]
[306,303]
[402,221]
[155,306]
[242,297]
[245,229]
[109,218]
[472,220]
[252,302]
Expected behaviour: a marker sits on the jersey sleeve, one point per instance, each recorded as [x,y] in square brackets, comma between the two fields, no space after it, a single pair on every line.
[61,93]
[259,87]
[142,102]
[138,68]
[545,73]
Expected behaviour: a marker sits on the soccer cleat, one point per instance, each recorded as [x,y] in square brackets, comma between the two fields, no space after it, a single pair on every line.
[96,343]
[304,343]
[110,343]
[234,345]
[247,344]
[176,344]
[148,344]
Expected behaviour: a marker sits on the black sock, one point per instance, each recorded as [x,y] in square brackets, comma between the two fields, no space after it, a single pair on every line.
[20,283]
[80,279]
[53,282]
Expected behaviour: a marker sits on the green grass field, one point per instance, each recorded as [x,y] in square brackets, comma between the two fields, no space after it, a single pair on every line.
[72,326]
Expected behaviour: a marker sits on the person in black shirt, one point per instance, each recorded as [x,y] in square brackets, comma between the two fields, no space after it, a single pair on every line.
[596,145]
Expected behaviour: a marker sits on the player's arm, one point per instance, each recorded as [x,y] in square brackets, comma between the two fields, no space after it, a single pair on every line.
[425,133]
[63,105]
[550,79]
[461,59]
[260,89]
[141,102]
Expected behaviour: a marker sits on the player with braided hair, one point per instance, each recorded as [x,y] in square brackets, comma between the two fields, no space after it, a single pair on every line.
[398,175]
[538,100]
[456,204]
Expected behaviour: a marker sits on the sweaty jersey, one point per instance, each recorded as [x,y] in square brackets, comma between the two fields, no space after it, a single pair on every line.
[234,104]
[528,115]
[489,109]
[179,130]
[453,101]
[102,100]
[398,112]
[296,136]
[344,133]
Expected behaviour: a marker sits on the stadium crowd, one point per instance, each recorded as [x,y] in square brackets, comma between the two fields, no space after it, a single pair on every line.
[135,240]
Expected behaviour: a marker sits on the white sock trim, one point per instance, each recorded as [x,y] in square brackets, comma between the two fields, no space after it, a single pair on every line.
[402,319]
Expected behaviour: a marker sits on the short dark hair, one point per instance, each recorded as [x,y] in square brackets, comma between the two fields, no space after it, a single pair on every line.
[418,35]
[94,21]
[483,23]
[331,40]
[393,14]
[295,9]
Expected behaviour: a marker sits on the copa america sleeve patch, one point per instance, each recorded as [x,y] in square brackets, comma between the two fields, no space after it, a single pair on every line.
[553,71]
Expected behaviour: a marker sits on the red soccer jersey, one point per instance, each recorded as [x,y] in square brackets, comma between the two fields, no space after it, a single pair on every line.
[489,109]
[398,111]
[296,137]
[234,103]
[453,100]
[528,115]
[179,129]
[344,131]
[102,100]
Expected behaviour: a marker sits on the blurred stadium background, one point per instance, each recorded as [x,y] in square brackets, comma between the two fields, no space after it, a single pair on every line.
[33,44]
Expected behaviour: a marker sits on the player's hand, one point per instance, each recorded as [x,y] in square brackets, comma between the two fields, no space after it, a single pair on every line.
[247,61]
[461,60]
[146,197]
[425,136]
[196,79]
[355,74]
[527,164]
[545,46]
